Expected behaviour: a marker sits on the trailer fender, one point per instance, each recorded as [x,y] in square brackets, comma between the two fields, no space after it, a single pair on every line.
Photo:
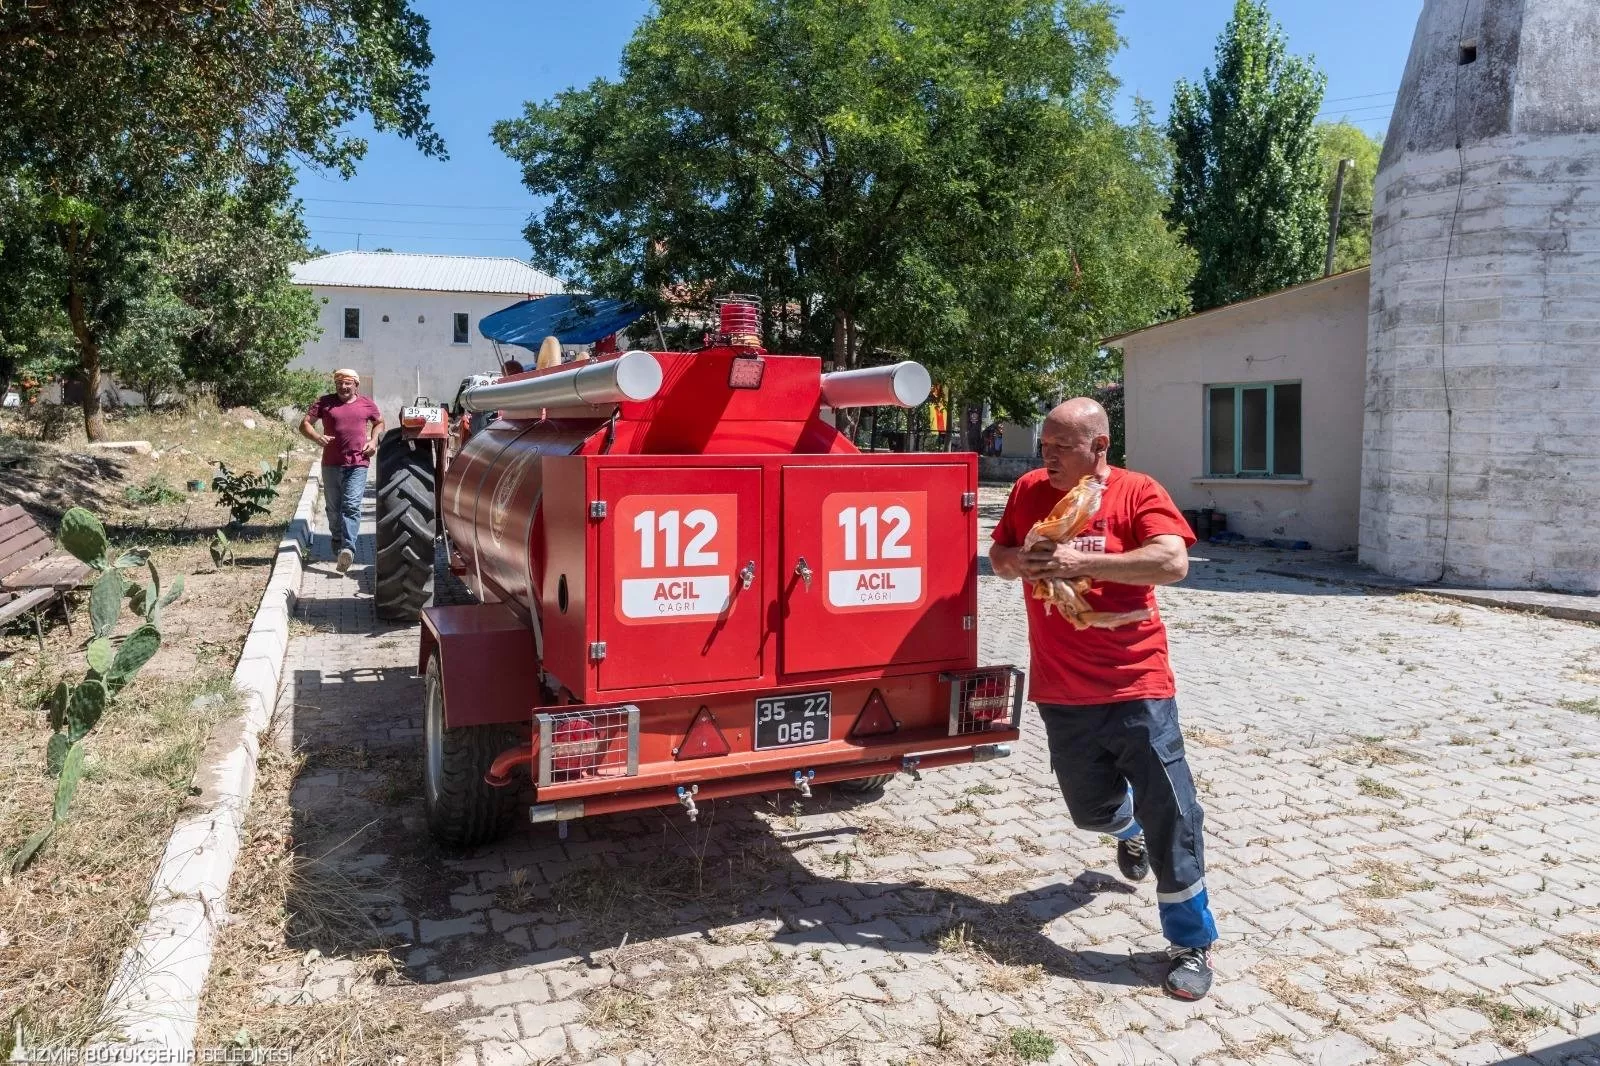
[487,662]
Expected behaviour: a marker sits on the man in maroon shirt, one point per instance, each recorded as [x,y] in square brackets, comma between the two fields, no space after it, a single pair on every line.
[351,426]
[1106,696]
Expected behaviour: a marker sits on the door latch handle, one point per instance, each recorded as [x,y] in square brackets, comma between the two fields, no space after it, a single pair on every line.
[747,574]
[804,571]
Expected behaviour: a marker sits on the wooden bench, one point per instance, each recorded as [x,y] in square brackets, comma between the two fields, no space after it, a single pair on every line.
[32,572]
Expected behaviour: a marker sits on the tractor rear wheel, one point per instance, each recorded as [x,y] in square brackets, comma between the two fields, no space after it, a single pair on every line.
[463,810]
[864,784]
[404,571]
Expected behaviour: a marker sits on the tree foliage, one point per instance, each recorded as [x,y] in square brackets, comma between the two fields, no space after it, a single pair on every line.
[121,118]
[935,179]
[1248,182]
[1342,140]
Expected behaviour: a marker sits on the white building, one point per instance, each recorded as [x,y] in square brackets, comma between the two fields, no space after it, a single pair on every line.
[1254,410]
[408,323]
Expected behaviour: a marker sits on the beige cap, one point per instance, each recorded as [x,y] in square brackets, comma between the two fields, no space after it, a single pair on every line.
[347,373]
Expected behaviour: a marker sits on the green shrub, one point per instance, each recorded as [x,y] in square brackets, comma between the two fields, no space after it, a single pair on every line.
[298,389]
[248,495]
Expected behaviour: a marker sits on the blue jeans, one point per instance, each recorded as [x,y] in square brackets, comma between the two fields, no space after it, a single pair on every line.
[1122,771]
[342,489]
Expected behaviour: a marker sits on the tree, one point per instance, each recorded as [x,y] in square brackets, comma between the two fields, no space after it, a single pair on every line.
[1342,140]
[110,109]
[933,179]
[1247,187]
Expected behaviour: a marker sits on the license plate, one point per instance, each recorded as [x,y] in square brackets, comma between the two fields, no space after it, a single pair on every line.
[791,721]
[428,415]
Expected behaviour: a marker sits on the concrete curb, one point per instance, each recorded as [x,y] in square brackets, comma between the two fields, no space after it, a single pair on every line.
[154,1000]
[1565,606]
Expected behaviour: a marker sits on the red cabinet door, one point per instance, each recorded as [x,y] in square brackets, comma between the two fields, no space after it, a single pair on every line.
[673,607]
[877,567]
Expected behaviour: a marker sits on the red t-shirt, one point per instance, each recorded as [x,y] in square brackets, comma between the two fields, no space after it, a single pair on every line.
[1074,666]
[346,422]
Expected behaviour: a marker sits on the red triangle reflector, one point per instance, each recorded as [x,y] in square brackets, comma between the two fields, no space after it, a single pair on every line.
[703,739]
[874,719]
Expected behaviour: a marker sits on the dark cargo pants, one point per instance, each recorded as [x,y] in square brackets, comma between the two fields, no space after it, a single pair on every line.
[1122,770]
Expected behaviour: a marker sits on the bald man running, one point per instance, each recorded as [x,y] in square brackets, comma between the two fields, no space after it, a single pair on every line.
[1107,695]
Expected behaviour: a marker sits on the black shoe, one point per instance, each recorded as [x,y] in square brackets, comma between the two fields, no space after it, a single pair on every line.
[1189,976]
[1132,859]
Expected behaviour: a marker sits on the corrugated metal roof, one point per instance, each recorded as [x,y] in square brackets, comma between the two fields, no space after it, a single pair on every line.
[430,273]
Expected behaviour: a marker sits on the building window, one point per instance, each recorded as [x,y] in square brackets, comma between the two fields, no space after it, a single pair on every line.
[352,323]
[460,327]
[1253,430]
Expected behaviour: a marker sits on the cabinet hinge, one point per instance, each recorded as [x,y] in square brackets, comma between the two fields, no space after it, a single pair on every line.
[597,508]
[966,621]
[969,500]
[597,651]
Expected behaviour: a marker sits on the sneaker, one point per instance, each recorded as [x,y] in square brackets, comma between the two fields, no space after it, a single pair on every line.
[1132,859]
[1189,976]
[346,557]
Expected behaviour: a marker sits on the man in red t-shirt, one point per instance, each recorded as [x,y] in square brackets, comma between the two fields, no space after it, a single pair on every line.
[1106,696]
[351,426]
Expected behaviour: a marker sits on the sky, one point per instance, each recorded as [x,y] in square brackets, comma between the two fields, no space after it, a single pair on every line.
[492,55]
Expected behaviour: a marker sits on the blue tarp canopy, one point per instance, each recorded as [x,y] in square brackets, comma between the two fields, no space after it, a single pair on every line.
[572,318]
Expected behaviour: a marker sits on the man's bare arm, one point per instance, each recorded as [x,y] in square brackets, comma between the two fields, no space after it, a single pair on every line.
[374,434]
[1007,562]
[309,432]
[1161,560]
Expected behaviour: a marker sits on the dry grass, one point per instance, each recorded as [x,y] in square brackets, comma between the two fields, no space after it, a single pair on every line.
[1387,880]
[263,992]
[66,919]
[68,916]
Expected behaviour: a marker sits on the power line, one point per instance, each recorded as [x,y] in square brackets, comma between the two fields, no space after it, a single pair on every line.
[1366,96]
[412,221]
[408,236]
[442,207]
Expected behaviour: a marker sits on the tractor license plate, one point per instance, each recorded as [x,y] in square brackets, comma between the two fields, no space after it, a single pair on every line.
[421,415]
[791,721]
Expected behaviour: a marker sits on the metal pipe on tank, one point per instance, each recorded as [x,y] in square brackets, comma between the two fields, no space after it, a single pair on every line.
[633,375]
[901,385]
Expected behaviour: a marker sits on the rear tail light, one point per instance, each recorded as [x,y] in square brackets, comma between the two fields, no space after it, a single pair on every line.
[575,745]
[703,739]
[874,719]
[981,700]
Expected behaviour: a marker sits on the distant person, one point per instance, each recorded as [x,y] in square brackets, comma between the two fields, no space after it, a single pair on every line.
[351,427]
[1107,696]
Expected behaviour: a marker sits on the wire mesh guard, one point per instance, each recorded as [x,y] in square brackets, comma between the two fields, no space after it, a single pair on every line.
[739,319]
[985,700]
[579,745]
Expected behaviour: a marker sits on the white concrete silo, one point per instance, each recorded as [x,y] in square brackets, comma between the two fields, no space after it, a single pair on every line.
[1481,447]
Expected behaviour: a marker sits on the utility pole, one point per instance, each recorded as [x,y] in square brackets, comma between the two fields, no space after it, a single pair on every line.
[1333,219]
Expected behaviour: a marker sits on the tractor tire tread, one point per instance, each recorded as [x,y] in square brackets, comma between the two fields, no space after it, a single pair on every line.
[403,572]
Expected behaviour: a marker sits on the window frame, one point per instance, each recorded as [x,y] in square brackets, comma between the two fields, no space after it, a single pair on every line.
[344,323]
[1238,388]
[466,331]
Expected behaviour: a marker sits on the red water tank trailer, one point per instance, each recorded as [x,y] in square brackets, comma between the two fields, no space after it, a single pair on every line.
[688,584]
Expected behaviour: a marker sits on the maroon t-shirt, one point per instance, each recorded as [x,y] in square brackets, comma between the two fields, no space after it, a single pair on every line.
[346,423]
[1089,666]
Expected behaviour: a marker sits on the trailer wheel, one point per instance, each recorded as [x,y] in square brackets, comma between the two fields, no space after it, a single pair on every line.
[864,784]
[404,571]
[463,811]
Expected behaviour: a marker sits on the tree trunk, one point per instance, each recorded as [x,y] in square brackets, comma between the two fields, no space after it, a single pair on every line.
[844,358]
[94,423]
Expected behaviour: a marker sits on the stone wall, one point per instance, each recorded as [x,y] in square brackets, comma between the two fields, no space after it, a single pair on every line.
[1481,443]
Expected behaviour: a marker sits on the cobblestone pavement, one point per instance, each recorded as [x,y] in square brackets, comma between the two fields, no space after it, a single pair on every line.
[1402,804]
